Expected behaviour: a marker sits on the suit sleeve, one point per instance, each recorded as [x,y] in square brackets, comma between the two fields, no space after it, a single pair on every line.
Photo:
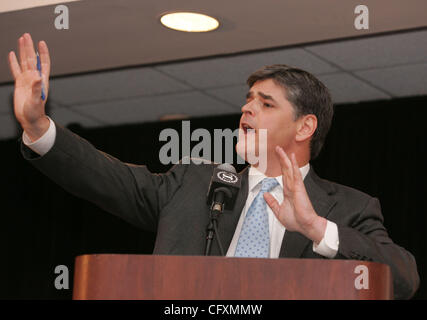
[131,192]
[367,239]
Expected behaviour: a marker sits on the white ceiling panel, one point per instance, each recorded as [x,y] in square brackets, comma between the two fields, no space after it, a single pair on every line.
[402,81]
[118,84]
[375,52]
[345,88]
[65,116]
[236,95]
[217,86]
[235,70]
[152,108]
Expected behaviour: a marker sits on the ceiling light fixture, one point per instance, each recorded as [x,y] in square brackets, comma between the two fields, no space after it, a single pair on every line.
[189,22]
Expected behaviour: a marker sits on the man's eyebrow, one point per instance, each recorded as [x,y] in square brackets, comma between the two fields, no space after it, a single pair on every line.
[263,95]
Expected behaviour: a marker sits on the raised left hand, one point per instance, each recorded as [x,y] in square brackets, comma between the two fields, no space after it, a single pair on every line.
[296,212]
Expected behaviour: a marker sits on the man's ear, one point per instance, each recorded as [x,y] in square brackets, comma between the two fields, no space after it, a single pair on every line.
[306,127]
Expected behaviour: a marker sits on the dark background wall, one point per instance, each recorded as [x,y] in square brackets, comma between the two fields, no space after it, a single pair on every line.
[376,147]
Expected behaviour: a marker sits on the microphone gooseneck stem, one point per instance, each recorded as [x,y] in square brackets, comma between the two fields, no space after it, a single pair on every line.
[217,207]
[221,250]
[209,239]
[212,229]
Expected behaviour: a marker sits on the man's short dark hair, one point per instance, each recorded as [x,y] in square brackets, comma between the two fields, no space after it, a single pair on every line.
[306,94]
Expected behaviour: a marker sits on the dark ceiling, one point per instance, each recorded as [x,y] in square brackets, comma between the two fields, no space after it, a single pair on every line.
[106,34]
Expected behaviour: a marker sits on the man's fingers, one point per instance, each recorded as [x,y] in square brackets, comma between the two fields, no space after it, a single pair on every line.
[272,203]
[286,187]
[22,54]
[29,52]
[45,63]
[297,172]
[44,58]
[15,69]
[285,163]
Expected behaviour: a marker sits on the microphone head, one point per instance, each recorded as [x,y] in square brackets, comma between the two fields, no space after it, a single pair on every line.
[224,176]
[227,167]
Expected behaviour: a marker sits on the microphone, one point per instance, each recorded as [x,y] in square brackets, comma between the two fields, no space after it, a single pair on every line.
[223,188]
[222,193]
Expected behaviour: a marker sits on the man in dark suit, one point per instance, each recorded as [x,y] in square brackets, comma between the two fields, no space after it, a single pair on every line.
[283,210]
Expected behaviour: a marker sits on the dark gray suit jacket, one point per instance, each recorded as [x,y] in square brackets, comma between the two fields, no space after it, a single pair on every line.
[174,206]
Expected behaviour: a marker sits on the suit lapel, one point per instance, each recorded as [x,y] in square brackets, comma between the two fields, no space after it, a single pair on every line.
[228,220]
[294,243]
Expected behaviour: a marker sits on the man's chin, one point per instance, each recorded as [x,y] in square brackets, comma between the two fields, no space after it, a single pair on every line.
[248,154]
[251,155]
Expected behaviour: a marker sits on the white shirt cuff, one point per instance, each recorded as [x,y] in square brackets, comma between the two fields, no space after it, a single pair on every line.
[328,247]
[43,144]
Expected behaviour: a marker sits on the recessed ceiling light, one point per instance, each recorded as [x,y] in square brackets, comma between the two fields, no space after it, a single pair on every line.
[189,22]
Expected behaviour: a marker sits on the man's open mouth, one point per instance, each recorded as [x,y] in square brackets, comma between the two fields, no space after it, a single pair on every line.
[247,128]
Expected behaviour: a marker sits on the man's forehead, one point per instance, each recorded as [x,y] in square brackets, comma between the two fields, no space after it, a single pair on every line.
[267,92]
[262,94]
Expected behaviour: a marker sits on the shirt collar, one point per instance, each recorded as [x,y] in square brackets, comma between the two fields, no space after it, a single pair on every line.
[256,176]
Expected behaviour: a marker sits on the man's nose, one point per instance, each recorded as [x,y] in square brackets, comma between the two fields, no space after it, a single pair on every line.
[249,107]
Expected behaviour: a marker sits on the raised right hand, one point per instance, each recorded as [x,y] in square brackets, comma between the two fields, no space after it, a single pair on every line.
[29,107]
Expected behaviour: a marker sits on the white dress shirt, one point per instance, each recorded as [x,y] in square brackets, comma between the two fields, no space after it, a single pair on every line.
[328,247]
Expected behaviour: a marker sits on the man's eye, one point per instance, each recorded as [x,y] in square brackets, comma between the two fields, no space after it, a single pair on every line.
[267,105]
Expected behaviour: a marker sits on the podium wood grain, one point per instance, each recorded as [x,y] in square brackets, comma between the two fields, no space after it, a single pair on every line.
[117,276]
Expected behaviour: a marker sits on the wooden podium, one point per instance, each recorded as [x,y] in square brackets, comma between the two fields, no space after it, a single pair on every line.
[117,276]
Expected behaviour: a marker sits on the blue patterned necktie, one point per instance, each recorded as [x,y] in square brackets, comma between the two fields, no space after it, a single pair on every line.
[254,239]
